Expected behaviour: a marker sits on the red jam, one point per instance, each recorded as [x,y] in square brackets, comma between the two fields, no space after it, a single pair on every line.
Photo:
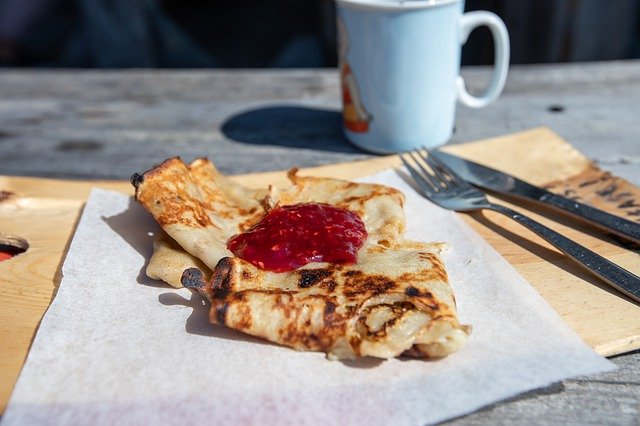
[5,255]
[292,236]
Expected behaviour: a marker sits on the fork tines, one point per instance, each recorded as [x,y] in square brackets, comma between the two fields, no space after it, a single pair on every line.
[426,169]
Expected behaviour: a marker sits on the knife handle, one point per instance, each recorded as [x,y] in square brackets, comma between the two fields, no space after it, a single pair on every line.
[603,220]
[614,275]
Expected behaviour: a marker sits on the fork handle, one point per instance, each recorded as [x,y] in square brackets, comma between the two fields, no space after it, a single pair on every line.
[614,275]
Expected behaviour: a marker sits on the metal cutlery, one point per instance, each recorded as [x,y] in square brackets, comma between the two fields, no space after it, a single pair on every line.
[497,181]
[443,187]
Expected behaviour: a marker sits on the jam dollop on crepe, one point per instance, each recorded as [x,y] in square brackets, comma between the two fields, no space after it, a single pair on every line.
[393,298]
[289,237]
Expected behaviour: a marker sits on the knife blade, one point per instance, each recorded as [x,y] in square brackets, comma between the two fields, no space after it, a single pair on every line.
[503,183]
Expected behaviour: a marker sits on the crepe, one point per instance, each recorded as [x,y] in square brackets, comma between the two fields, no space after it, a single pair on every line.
[394,300]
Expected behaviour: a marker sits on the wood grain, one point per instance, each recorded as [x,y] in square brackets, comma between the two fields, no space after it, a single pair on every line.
[102,124]
[45,211]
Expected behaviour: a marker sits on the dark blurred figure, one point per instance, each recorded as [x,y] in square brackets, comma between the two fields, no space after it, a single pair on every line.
[94,33]
[282,33]
[549,31]
[260,33]
[167,33]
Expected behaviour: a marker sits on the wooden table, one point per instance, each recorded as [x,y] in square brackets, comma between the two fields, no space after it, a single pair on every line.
[106,124]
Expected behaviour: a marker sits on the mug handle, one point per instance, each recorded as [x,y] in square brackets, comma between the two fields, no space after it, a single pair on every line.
[469,22]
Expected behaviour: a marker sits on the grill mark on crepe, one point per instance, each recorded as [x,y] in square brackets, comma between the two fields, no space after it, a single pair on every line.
[411,291]
[358,284]
[424,299]
[309,277]
[362,199]
[229,201]
[221,279]
[242,315]
[184,211]
[397,309]
[220,312]
[246,275]
[170,195]
[297,328]
[193,278]
[300,331]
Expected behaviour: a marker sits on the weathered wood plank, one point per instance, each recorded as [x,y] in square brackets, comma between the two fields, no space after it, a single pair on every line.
[106,124]
[606,399]
[103,124]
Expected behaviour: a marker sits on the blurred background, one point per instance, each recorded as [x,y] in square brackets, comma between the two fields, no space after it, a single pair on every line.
[282,33]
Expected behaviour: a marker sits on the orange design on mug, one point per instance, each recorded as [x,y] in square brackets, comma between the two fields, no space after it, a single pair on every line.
[355,116]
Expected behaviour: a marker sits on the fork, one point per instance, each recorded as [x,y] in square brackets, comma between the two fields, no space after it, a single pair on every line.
[443,187]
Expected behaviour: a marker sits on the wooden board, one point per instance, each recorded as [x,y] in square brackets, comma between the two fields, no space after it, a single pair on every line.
[44,213]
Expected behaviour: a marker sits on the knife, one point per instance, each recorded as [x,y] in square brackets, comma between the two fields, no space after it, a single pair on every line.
[502,183]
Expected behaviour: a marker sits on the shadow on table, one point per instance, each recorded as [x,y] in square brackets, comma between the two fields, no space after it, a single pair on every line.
[290,126]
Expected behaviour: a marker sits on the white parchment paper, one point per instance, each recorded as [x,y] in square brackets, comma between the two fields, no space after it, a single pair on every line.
[118,348]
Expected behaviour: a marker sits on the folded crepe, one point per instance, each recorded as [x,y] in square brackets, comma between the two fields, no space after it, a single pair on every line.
[394,300]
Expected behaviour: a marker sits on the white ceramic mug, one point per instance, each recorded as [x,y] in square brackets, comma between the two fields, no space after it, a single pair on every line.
[399,64]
